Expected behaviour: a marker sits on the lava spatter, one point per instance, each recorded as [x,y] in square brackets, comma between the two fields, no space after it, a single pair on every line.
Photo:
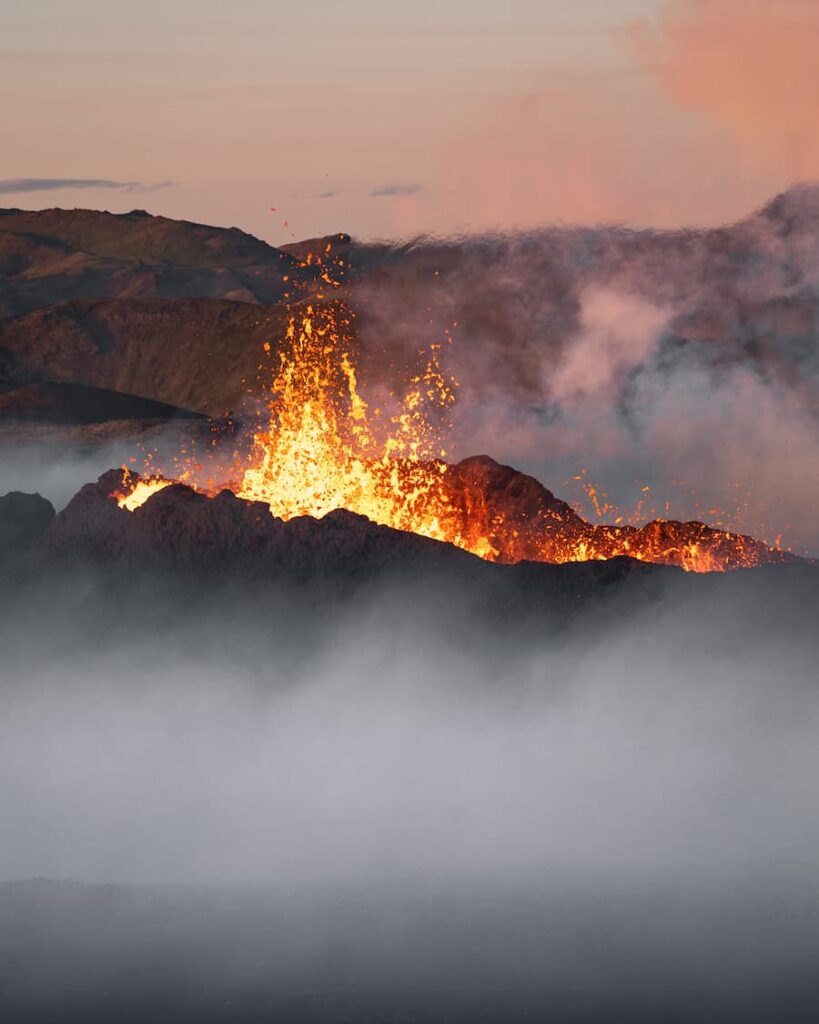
[319,446]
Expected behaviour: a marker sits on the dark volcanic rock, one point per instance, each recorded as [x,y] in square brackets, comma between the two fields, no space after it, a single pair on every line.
[484,494]
[178,526]
[54,402]
[523,521]
[24,518]
[181,556]
[178,535]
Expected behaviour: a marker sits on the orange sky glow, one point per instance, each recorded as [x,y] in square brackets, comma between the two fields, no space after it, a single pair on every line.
[453,117]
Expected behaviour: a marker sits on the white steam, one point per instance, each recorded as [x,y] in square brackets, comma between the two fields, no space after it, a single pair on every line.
[654,745]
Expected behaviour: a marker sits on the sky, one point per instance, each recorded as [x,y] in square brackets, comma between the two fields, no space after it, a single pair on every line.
[390,120]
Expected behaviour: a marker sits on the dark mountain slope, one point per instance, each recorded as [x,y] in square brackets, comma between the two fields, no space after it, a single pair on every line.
[140,236]
[79,404]
[192,353]
[52,256]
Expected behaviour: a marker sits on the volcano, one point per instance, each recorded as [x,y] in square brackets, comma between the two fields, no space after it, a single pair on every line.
[321,447]
[136,320]
[489,503]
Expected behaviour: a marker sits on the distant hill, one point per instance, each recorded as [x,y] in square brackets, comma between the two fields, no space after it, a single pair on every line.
[141,236]
[189,353]
[176,312]
[328,246]
[744,293]
[52,256]
[78,404]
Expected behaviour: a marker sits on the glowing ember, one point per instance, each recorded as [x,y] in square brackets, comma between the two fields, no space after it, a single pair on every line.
[322,447]
[142,489]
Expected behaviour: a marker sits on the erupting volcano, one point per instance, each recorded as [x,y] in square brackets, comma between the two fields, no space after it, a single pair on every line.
[321,446]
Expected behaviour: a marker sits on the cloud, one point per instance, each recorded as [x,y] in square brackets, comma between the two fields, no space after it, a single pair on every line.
[749,65]
[617,334]
[150,187]
[10,186]
[639,359]
[397,190]
[712,111]
[585,148]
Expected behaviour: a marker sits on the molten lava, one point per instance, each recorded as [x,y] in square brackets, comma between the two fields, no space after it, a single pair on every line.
[320,446]
[136,492]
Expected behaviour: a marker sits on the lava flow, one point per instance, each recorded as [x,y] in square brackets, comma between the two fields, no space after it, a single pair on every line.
[136,491]
[322,447]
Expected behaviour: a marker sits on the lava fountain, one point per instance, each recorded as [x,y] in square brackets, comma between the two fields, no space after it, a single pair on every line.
[320,446]
[323,448]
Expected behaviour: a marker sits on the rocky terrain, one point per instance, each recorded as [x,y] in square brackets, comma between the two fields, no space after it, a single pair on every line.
[179,535]
[55,256]
[176,312]
[400,782]
[524,521]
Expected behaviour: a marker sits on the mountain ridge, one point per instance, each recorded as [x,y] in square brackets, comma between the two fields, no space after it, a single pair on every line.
[190,336]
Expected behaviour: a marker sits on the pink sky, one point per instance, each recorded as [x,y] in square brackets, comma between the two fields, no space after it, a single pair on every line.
[384,121]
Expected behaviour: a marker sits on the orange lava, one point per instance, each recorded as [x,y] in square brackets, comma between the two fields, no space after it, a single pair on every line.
[137,492]
[321,447]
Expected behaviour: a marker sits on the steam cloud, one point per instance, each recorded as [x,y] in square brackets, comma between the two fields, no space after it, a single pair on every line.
[10,186]
[389,750]
[374,799]
[641,358]
[749,66]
